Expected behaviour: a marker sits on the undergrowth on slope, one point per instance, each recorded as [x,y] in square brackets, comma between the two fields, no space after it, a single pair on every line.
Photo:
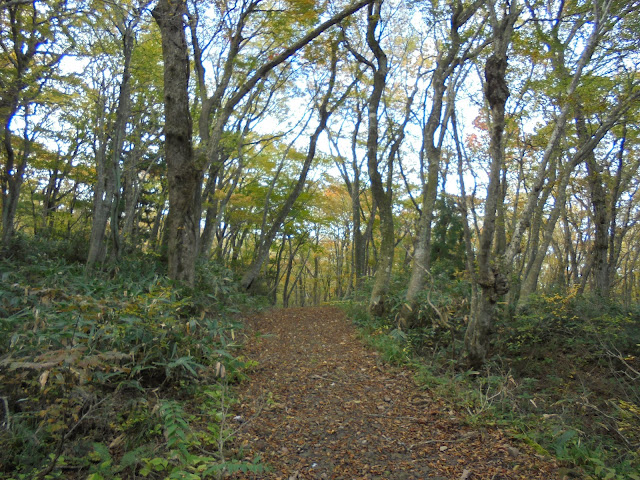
[562,375]
[118,372]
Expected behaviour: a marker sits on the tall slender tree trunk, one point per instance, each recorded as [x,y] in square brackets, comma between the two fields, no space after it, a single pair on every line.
[287,276]
[491,278]
[316,280]
[107,192]
[12,179]
[184,178]
[267,239]
[102,194]
[383,198]
[601,220]
[530,282]
[432,150]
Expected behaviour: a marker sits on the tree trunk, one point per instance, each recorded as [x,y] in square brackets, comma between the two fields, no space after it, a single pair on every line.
[383,198]
[102,193]
[184,217]
[209,230]
[267,239]
[287,276]
[13,177]
[432,149]
[601,221]
[316,280]
[491,279]
[530,282]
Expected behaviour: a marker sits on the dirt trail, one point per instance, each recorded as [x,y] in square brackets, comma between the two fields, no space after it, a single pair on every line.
[325,407]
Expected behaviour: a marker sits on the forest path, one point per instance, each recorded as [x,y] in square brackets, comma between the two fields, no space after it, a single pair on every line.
[321,405]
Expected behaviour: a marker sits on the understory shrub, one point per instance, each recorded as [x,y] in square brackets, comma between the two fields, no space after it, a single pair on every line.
[562,375]
[96,367]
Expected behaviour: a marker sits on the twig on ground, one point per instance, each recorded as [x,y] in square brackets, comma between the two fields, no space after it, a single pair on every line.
[64,438]
[403,417]
[461,438]
[6,418]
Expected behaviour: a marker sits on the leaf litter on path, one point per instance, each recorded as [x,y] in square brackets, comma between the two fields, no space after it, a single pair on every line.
[325,407]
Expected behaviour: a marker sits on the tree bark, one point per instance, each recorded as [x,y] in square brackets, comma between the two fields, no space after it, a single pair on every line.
[184,217]
[491,279]
[383,198]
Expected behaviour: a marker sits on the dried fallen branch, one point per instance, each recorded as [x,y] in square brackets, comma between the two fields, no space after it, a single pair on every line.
[466,475]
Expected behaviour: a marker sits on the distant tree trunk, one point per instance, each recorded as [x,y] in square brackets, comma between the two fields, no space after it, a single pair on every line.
[209,230]
[360,239]
[286,291]
[600,265]
[316,280]
[276,276]
[267,238]
[619,227]
[572,256]
[237,247]
[102,192]
[131,189]
[12,179]
[122,117]
[183,176]
[463,205]
[287,276]
[108,189]
[359,245]
[530,281]
[51,192]
[155,230]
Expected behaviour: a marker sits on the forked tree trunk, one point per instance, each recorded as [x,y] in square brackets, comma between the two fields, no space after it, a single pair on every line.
[431,149]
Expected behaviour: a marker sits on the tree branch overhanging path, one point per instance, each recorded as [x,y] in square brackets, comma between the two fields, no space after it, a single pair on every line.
[329,408]
[184,170]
